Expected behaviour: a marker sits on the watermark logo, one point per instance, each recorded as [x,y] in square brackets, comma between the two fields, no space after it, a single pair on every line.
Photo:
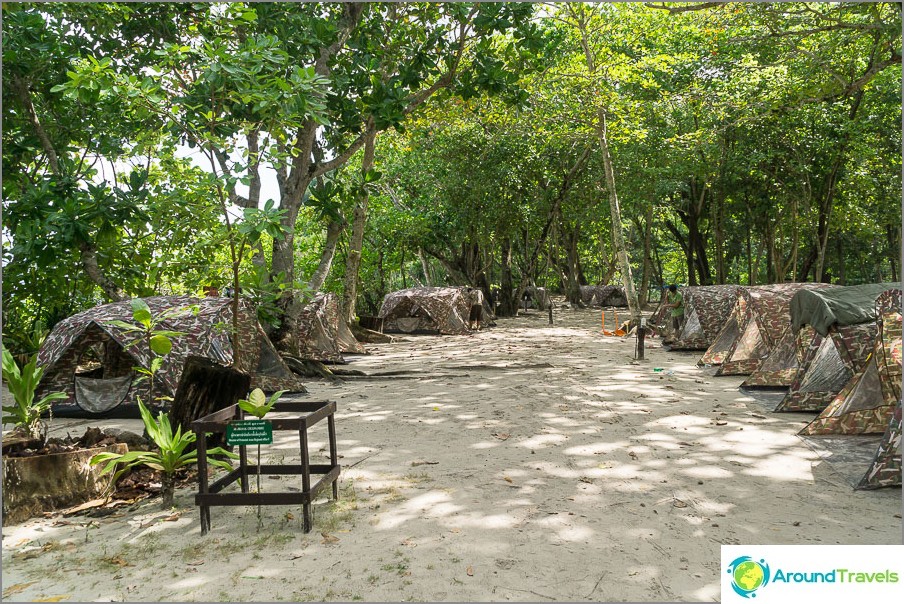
[748,575]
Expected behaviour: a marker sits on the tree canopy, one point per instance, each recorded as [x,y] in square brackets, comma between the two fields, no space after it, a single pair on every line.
[365,147]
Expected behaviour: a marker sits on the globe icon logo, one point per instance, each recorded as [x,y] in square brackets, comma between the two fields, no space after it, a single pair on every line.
[748,575]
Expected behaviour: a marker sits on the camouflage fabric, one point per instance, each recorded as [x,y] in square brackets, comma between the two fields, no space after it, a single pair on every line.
[603,295]
[867,402]
[779,368]
[207,335]
[660,317]
[706,309]
[443,309]
[539,297]
[760,328]
[721,346]
[828,363]
[322,334]
[885,471]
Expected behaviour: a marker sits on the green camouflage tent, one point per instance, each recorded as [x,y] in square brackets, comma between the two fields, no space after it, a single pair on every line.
[780,366]
[760,318]
[844,321]
[706,309]
[867,402]
[603,295]
[322,334]
[885,471]
[448,310]
[91,359]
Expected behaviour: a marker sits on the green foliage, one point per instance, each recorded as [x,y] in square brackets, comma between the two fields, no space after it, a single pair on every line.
[171,452]
[25,413]
[257,404]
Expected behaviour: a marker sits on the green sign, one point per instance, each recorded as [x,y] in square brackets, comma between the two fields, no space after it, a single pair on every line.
[249,432]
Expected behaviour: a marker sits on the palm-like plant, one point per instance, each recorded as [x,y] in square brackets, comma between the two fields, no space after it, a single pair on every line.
[25,413]
[171,454]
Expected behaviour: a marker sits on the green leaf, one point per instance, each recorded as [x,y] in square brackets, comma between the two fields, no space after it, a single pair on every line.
[161,344]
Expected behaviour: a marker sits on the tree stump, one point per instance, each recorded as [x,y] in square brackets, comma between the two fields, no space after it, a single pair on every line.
[204,388]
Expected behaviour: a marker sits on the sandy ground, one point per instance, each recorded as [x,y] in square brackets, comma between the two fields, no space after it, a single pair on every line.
[525,462]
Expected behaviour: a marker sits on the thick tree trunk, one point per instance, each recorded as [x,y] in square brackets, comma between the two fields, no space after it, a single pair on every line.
[356,244]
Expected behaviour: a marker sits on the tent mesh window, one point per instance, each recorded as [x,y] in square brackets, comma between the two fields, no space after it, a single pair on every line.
[751,344]
[828,372]
[692,327]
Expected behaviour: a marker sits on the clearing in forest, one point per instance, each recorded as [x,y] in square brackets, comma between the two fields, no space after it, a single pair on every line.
[524,462]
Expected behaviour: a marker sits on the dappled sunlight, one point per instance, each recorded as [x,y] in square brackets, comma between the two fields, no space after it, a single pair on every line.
[517,452]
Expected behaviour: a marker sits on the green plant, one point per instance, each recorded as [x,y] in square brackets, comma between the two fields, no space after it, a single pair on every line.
[158,341]
[257,404]
[170,457]
[26,413]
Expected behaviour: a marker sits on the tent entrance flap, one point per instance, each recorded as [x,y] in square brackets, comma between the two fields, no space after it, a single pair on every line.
[99,395]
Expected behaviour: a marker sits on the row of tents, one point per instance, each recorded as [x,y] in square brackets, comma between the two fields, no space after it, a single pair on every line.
[91,356]
[836,349]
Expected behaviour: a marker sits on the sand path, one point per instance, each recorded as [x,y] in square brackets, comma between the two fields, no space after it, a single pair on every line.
[525,462]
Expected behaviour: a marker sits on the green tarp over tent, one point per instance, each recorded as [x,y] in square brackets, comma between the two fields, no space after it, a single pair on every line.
[822,308]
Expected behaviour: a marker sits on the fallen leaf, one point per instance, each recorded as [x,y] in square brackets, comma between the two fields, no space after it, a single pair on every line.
[721,423]
[14,589]
[679,504]
[54,598]
[470,571]
[455,530]
[507,479]
[328,539]
[118,561]
[22,542]
[172,518]
[585,479]
[290,516]
[196,563]
[501,435]
[632,454]
[423,462]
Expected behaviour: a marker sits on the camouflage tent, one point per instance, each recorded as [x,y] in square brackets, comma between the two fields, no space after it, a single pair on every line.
[323,335]
[844,334]
[760,318]
[603,295]
[536,297]
[706,309]
[90,358]
[448,310]
[780,367]
[885,471]
[660,319]
[867,402]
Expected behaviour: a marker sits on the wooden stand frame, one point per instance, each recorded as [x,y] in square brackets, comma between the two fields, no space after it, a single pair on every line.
[313,412]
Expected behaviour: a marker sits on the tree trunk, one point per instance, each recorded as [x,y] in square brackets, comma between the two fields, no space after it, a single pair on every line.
[426,268]
[94,272]
[356,244]
[508,303]
[333,230]
[644,296]
[618,238]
